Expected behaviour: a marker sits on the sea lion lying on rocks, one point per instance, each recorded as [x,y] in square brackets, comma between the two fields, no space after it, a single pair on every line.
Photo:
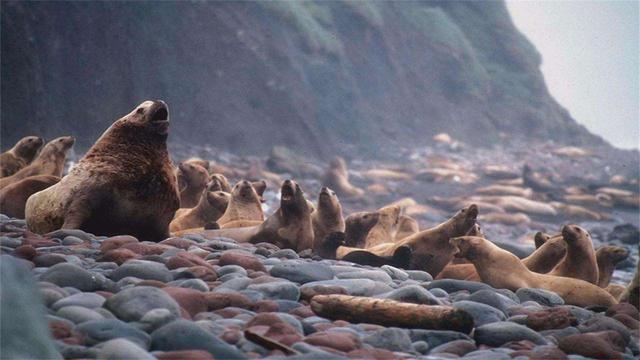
[245,203]
[193,179]
[289,227]
[210,208]
[20,155]
[327,218]
[50,161]
[123,185]
[503,270]
[580,260]
[13,198]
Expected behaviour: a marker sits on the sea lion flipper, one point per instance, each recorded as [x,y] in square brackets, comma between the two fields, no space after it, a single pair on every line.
[402,256]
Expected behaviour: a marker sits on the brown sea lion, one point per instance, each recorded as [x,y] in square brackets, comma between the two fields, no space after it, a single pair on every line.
[383,231]
[406,226]
[289,227]
[20,155]
[357,227]
[542,260]
[337,178]
[632,293]
[210,208]
[580,260]
[50,161]
[123,185]
[430,248]
[194,179]
[245,203]
[13,198]
[218,182]
[608,257]
[503,270]
[327,218]
[400,258]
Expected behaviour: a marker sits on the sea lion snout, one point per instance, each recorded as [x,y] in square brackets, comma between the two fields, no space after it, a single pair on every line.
[472,211]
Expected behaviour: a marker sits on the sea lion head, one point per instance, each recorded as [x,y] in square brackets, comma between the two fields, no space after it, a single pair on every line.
[468,247]
[540,238]
[389,215]
[475,231]
[357,226]
[218,200]
[28,146]
[151,118]
[243,191]
[198,161]
[327,199]
[259,186]
[464,219]
[193,175]
[292,200]
[58,146]
[218,182]
[612,253]
[573,233]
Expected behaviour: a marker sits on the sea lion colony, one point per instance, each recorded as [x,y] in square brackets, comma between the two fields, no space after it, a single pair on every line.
[125,203]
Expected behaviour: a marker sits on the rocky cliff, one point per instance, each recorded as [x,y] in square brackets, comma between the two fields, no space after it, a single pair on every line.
[319,77]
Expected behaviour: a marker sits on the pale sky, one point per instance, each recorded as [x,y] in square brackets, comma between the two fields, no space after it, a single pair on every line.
[590,60]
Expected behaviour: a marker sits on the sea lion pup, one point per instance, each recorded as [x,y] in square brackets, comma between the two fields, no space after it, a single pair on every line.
[123,185]
[245,203]
[608,257]
[218,182]
[503,270]
[430,248]
[357,226]
[20,155]
[194,178]
[14,197]
[383,231]
[50,161]
[289,227]
[406,226]
[632,293]
[337,178]
[327,218]
[580,260]
[210,208]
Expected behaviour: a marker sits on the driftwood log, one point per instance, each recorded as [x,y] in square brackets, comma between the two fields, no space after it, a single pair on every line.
[357,309]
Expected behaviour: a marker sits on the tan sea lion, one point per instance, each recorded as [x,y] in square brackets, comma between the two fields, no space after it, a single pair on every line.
[194,179]
[430,248]
[218,182]
[289,227]
[577,212]
[496,189]
[240,223]
[123,185]
[596,200]
[198,161]
[406,226]
[20,155]
[337,178]
[210,208]
[13,198]
[245,203]
[503,270]
[608,257]
[505,218]
[616,290]
[357,227]
[632,293]
[50,161]
[580,260]
[383,231]
[327,218]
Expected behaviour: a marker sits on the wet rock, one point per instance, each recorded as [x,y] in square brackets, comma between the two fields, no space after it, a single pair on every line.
[419,275]
[437,337]
[184,355]
[118,256]
[97,331]
[231,269]
[457,347]
[552,318]
[375,275]
[242,259]
[604,323]
[88,300]
[133,303]
[541,296]
[452,285]
[192,301]
[493,299]
[499,333]
[356,287]
[482,314]
[185,335]
[142,269]
[395,273]
[78,314]
[65,274]
[307,292]
[156,318]
[217,301]
[412,294]
[543,352]
[393,339]
[48,260]
[302,272]
[278,290]
[344,342]
[122,349]
[597,345]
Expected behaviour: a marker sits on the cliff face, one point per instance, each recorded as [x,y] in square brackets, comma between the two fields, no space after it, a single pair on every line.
[321,78]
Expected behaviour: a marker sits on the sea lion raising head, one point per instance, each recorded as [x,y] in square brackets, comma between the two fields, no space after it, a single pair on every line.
[218,182]
[357,226]
[123,185]
[50,161]
[20,155]
[608,257]
[245,203]
[327,218]
[194,179]
[210,208]
[580,261]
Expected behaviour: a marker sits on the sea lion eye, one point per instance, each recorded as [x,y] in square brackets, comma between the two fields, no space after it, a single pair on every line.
[140,111]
